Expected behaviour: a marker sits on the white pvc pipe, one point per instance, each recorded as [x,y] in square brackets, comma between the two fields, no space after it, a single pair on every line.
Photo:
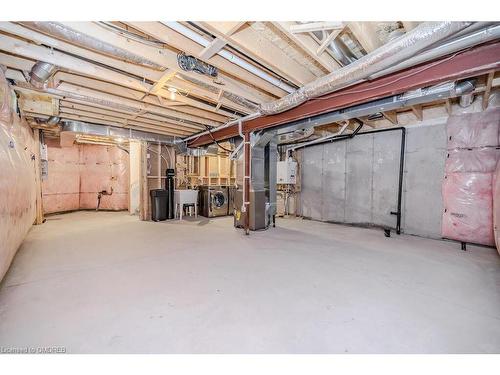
[188,33]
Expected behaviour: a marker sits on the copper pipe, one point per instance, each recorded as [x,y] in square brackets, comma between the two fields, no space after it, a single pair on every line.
[246,198]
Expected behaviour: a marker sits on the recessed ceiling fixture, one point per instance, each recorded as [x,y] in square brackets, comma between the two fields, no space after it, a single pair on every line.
[172,89]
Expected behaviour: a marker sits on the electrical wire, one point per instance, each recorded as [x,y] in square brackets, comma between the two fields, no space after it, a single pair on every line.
[215,141]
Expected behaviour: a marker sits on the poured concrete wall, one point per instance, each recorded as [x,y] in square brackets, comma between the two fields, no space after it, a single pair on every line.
[356,181]
[424,172]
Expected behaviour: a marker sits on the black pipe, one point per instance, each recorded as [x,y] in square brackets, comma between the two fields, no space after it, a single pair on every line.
[401,160]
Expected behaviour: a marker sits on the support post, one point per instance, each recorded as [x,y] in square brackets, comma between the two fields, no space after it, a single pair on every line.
[144,202]
[246,181]
[38,182]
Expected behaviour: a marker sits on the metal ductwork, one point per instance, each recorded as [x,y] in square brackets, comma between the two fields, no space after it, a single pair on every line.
[80,39]
[262,192]
[470,36]
[465,90]
[53,120]
[115,132]
[295,136]
[342,54]
[415,97]
[226,54]
[394,52]
[40,73]
[466,100]
[51,124]
[459,42]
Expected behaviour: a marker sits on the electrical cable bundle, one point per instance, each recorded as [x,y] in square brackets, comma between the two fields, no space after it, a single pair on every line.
[191,63]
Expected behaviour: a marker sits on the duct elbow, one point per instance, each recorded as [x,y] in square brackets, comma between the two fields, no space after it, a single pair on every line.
[40,73]
[53,120]
[465,90]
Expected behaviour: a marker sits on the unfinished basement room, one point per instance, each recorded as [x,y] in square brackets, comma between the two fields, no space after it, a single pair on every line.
[249,187]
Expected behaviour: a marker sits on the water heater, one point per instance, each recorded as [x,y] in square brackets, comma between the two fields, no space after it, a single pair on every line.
[287,172]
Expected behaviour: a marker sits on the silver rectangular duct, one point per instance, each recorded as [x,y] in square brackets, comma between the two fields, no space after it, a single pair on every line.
[112,131]
[262,183]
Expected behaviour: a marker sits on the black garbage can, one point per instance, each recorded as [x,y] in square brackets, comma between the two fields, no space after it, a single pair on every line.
[159,199]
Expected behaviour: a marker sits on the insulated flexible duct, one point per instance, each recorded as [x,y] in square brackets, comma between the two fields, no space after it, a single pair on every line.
[73,36]
[389,54]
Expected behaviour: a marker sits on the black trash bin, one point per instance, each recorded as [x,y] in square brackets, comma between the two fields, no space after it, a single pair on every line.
[159,199]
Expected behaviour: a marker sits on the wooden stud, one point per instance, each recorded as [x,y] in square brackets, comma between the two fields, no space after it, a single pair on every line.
[315,26]
[215,46]
[417,111]
[167,76]
[391,116]
[307,44]
[326,42]
[487,91]
[448,106]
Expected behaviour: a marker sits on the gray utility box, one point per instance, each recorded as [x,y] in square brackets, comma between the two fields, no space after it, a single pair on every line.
[258,211]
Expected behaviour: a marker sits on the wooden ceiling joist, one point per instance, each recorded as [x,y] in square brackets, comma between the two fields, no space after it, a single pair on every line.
[109,88]
[106,99]
[470,63]
[249,42]
[181,43]
[308,45]
[315,26]
[145,73]
[142,117]
[98,116]
[162,56]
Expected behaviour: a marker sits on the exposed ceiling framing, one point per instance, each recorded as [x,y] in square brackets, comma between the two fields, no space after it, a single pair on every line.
[132,78]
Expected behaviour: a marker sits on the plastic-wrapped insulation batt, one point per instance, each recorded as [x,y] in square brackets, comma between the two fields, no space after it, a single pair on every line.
[468,187]
[395,51]
[17,181]
[78,173]
[496,206]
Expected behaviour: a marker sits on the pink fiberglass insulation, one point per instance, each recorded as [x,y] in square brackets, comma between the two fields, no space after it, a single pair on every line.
[474,129]
[496,206]
[61,190]
[17,181]
[468,208]
[86,169]
[481,159]
[468,184]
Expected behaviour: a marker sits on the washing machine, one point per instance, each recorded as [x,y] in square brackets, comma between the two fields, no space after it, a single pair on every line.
[214,201]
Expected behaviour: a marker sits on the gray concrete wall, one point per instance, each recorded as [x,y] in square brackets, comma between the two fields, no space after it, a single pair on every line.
[424,173]
[356,181]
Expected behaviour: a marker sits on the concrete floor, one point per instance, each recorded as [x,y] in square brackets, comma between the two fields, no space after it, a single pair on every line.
[105,282]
